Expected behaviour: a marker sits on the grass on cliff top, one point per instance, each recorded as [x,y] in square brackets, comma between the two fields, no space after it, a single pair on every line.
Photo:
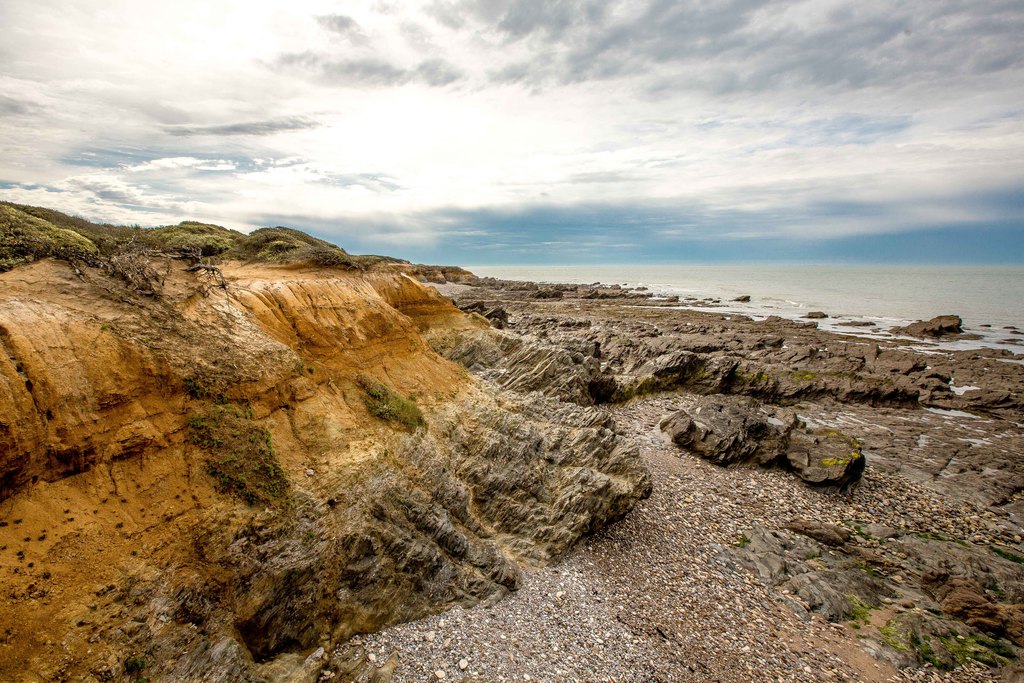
[25,238]
[241,458]
[384,402]
[29,233]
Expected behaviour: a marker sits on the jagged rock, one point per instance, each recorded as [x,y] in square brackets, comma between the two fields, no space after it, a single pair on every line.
[939,326]
[727,430]
[964,598]
[825,457]
[496,315]
[112,396]
[445,523]
[819,579]
[571,374]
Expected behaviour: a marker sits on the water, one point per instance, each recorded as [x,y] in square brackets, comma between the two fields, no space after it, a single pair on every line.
[885,295]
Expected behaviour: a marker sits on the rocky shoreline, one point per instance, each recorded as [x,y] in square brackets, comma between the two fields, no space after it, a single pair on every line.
[299,465]
[911,568]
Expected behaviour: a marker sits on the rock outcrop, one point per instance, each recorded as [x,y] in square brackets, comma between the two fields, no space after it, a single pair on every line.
[729,429]
[197,483]
[939,326]
[915,599]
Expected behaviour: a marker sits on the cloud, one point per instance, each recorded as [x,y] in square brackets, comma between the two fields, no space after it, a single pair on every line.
[751,45]
[169,163]
[344,26]
[449,128]
[264,127]
[370,72]
[12,107]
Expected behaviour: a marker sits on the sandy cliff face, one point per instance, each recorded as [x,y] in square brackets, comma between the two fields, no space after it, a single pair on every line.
[197,483]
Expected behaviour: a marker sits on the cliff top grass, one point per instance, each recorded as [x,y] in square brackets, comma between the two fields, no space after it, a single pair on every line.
[29,233]
[25,238]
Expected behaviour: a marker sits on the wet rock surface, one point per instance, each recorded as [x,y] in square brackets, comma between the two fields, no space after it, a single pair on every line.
[939,326]
[948,418]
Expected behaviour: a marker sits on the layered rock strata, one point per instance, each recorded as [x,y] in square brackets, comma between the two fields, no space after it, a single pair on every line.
[210,483]
[921,589]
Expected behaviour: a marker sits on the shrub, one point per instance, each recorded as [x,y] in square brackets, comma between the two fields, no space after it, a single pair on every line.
[191,237]
[242,459]
[134,665]
[25,238]
[387,404]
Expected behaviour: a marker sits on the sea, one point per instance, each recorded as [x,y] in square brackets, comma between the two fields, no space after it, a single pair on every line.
[990,299]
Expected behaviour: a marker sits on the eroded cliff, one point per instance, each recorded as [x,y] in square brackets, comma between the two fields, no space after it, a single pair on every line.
[208,482]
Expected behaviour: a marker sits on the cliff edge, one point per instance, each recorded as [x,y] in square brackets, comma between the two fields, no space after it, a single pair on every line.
[219,452]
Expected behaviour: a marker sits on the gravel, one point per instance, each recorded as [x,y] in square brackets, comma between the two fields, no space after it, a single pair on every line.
[654,598]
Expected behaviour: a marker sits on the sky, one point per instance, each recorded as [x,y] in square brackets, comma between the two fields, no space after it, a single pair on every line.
[528,131]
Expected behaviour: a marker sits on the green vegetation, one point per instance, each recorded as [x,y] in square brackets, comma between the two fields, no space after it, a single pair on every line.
[1006,554]
[922,644]
[30,233]
[387,404]
[840,461]
[204,388]
[134,665]
[979,648]
[189,236]
[242,458]
[743,542]
[284,244]
[859,613]
[895,637]
[25,238]
[758,377]
[858,530]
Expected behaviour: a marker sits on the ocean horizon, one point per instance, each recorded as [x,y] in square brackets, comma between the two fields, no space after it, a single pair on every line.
[987,297]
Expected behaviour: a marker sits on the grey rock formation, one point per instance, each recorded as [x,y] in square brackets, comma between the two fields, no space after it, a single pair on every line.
[937,601]
[446,522]
[938,326]
[730,429]
[727,430]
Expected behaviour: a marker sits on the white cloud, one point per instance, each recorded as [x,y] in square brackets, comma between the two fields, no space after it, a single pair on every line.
[234,111]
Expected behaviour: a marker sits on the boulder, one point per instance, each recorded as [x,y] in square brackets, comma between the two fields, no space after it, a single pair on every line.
[939,326]
[816,315]
[726,430]
[825,457]
[963,598]
[742,299]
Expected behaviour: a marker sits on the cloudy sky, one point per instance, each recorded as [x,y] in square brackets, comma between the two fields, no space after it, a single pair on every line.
[515,131]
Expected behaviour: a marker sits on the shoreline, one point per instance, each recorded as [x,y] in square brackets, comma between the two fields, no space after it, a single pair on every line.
[921,502]
[718,285]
